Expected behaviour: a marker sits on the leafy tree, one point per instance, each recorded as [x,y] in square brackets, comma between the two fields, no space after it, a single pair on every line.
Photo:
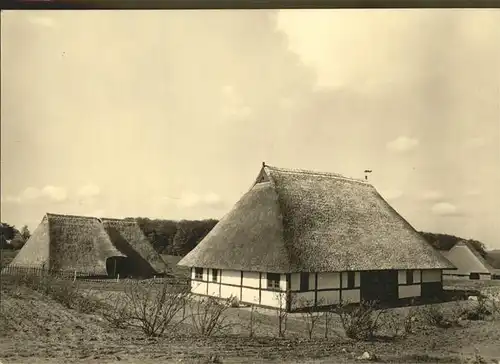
[25,233]
[446,242]
[17,241]
[8,231]
[189,234]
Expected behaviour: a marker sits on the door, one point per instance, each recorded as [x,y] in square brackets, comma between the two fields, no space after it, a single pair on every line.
[379,285]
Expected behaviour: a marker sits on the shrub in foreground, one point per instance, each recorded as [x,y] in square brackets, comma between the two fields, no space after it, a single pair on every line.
[154,308]
[360,322]
[208,316]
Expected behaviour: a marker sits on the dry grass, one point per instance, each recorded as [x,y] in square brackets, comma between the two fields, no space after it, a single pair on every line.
[42,330]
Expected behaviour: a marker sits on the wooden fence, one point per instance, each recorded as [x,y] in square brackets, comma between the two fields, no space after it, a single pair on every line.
[87,276]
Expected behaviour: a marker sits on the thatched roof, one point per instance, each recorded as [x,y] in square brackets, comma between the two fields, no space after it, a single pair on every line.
[83,244]
[127,236]
[295,220]
[464,264]
[66,242]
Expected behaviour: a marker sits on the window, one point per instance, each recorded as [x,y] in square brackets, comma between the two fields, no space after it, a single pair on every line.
[215,272]
[409,276]
[198,273]
[474,276]
[273,280]
[304,282]
[351,280]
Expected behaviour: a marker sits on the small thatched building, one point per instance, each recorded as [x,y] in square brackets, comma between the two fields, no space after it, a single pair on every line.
[469,264]
[88,246]
[140,257]
[313,239]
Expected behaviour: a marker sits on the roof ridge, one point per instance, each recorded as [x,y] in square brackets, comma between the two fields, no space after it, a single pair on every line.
[317,173]
[476,253]
[50,214]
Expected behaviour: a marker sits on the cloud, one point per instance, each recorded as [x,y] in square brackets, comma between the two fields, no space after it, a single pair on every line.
[233,105]
[431,195]
[42,21]
[476,142]
[58,194]
[402,144]
[444,209]
[391,195]
[30,194]
[89,190]
[473,192]
[192,199]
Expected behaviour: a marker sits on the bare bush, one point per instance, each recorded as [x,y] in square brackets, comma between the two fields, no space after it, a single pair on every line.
[116,311]
[360,322]
[282,312]
[410,319]
[434,315]
[253,321]
[479,310]
[208,315]
[310,314]
[153,308]
[326,315]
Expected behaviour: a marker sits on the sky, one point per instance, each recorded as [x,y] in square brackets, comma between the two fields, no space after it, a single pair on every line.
[170,114]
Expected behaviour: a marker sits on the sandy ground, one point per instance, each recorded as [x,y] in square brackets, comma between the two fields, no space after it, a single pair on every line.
[39,330]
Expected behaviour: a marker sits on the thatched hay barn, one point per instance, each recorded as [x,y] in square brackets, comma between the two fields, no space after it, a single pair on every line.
[316,237]
[468,262]
[140,257]
[87,246]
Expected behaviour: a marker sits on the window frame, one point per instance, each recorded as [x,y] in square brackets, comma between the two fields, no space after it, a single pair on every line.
[304,281]
[273,281]
[215,275]
[351,280]
[409,277]
[198,273]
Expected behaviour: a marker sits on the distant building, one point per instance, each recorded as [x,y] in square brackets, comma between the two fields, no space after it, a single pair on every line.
[89,246]
[300,238]
[468,262]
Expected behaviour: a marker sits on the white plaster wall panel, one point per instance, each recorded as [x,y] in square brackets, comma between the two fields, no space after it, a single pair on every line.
[283,282]
[271,298]
[251,279]
[302,299]
[433,275]
[213,289]
[416,276]
[312,281]
[231,277]
[228,291]
[199,287]
[351,295]
[409,291]
[250,295]
[295,281]
[326,298]
[402,277]
[328,280]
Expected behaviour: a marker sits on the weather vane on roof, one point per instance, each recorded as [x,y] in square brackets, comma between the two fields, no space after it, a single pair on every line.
[366,173]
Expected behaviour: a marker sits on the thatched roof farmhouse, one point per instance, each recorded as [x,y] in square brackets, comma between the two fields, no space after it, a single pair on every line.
[320,236]
[88,245]
[468,262]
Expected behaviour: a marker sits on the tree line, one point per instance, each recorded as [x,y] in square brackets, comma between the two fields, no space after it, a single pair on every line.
[175,237]
[446,242]
[12,238]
